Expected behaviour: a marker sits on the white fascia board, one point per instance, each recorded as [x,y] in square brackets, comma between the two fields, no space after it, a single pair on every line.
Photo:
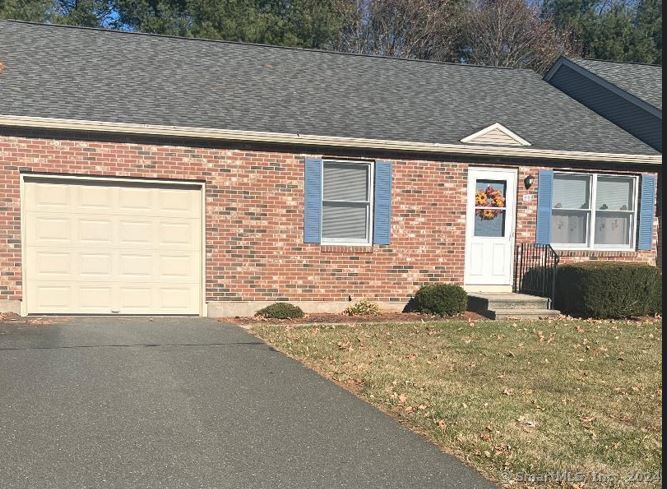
[314,140]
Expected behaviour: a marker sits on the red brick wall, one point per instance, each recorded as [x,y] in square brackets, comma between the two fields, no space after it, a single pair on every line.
[254,219]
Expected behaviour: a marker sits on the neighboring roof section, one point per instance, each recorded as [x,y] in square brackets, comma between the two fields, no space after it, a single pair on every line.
[627,94]
[496,134]
[105,76]
[641,80]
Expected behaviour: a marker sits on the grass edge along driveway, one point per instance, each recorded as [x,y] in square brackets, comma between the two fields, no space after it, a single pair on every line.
[525,403]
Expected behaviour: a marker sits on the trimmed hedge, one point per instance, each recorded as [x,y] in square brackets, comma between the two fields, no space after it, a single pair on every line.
[608,290]
[280,310]
[441,299]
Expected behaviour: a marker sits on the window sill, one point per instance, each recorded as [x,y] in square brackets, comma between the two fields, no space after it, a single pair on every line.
[346,248]
[595,251]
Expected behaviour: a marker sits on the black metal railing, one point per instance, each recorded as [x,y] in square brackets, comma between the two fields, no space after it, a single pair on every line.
[535,268]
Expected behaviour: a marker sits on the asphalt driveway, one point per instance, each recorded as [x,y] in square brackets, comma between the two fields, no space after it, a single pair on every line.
[190,403]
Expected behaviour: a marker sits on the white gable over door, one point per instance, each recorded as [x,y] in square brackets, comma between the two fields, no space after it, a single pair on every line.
[497,135]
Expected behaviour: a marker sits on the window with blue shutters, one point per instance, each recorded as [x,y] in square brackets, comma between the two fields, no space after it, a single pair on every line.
[347,202]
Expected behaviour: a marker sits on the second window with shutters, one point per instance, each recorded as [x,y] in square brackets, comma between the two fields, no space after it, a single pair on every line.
[347,202]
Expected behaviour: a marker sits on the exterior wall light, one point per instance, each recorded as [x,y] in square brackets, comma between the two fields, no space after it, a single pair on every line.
[528,181]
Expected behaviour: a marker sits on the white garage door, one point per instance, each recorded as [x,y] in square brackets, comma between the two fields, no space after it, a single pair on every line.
[101,247]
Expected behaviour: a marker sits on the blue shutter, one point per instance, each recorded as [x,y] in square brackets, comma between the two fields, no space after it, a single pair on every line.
[647,203]
[545,187]
[312,212]
[382,203]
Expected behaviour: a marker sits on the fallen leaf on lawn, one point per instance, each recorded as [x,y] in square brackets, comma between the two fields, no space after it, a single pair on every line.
[527,425]
[587,419]
[508,392]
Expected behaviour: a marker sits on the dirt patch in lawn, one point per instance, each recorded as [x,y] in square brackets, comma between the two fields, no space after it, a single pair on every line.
[330,318]
[579,400]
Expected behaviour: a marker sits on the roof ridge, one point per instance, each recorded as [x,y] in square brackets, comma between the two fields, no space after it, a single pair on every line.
[270,46]
[619,62]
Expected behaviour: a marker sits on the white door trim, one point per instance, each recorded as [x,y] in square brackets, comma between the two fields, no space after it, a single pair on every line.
[511,174]
[49,176]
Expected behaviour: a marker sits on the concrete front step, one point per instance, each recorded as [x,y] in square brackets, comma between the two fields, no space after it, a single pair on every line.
[507,301]
[510,305]
[504,314]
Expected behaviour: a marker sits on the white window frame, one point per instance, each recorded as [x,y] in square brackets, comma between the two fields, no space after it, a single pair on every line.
[368,241]
[590,231]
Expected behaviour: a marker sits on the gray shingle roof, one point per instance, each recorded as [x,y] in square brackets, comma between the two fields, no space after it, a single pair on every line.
[86,74]
[641,80]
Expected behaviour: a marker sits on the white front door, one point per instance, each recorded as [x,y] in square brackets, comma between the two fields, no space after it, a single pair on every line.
[490,226]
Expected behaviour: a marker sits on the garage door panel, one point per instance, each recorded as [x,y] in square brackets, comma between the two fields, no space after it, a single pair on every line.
[48,229]
[95,266]
[175,299]
[135,266]
[134,199]
[174,267]
[175,233]
[48,197]
[51,296]
[50,263]
[103,248]
[135,231]
[94,198]
[137,300]
[94,231]
[94,298]
[179,203]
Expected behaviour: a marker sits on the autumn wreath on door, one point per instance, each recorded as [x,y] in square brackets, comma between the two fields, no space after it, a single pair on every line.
[488,199]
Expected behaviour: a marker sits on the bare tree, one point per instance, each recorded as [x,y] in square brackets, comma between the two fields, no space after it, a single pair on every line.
[512,33]
[401,28]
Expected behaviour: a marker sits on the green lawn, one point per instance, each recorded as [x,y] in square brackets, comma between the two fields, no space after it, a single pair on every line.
[509,398]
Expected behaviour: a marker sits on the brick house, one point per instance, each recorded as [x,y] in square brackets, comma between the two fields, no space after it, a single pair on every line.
[154,175]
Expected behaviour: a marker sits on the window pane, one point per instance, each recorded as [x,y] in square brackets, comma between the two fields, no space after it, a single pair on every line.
[571,191]
[614,193]
[344,221]
[490,223]
[613,228]
[569,227]
[346,182]
[490,193]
